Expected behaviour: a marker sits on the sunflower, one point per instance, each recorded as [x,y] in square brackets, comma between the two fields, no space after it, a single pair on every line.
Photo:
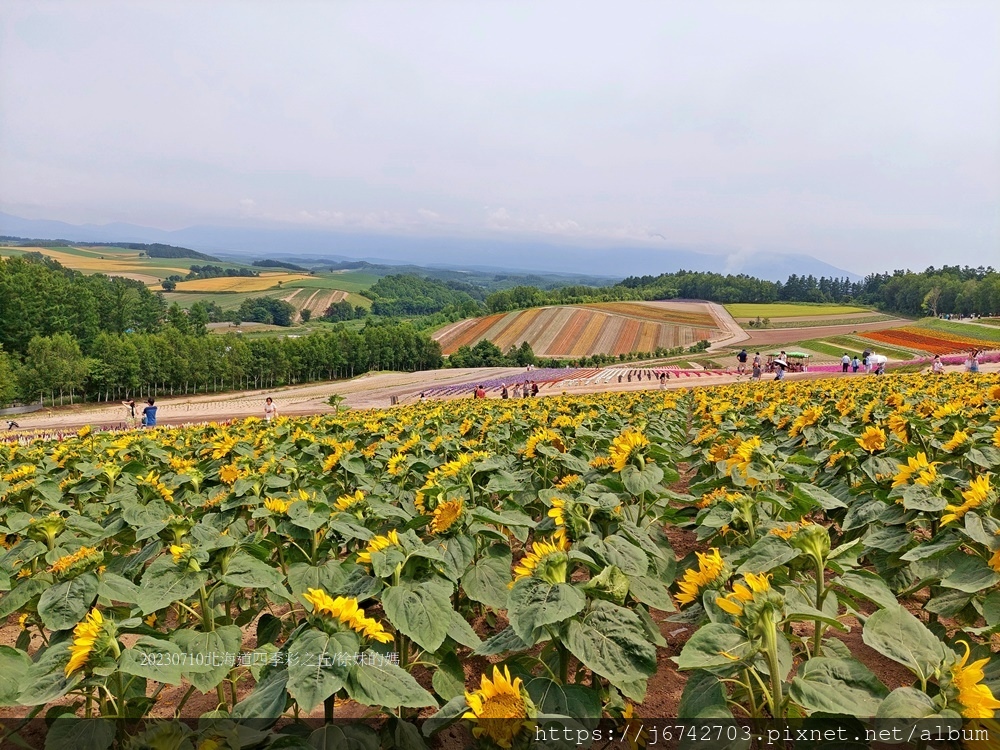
[541,552]
[446,514]
[543,436]
[624,447]
[85,636]
[976,495]
[377,544]
[277,506]
[350,503]
[500,708]
[900,427]
[84,554]
[395,463]
[177,551]
[872,439]
[744,454]
[710,568]
[733,603]
[960,438]
[994,561]
[634,730]
[229,473]
[976,698]
[807,418]
[558,511]
[835,457]
[567,481]
[346,610]
[924,470]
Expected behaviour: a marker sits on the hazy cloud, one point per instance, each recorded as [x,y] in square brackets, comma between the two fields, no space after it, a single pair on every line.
[865,134]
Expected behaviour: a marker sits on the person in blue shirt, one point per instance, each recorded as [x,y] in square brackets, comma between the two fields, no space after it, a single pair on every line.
[149,414]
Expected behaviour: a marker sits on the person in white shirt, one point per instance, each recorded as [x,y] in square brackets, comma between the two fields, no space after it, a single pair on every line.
[845,362]
[270,410]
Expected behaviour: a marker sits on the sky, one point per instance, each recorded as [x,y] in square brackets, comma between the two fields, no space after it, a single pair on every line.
[864,134]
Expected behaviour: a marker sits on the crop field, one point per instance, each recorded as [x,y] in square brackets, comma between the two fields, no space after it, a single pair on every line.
[924,339]
[490,565]
[229,284]
[112,261]
[575,331]
[751,311]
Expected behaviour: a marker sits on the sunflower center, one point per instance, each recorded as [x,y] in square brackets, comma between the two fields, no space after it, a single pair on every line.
[503,706]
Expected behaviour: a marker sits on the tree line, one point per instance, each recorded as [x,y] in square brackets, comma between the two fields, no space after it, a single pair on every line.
[65,335]
[170,362]
[949,290]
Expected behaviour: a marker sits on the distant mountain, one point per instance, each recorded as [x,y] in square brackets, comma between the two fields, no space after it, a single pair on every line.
[481,254]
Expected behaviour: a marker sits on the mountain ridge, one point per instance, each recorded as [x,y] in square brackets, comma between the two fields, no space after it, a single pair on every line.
[496,253]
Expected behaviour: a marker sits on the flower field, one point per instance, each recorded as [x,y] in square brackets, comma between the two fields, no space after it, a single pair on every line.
[494,567]
[923,339]
[578,331]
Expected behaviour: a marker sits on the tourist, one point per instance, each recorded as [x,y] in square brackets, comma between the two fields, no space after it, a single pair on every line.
[938,366]
[503,391]
[855,363]
[663,380]
[480,392]
[756,369]
[741,369]
[149,414]
[972,363]
[845,362]
[270,410]
[131,408]
[534,388]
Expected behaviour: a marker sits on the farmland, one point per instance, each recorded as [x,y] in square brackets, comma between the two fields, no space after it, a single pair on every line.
[925,339]
[780,310]
[112,261]
[582,330]
[228,284]
[534,544]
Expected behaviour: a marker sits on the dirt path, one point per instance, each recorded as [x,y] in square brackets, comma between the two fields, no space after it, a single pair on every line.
[732,333]
[373,390]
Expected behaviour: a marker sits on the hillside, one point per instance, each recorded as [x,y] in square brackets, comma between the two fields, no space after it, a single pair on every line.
[583,330]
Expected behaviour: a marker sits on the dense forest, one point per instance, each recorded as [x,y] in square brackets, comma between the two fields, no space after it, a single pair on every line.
[65,335]
[408,295]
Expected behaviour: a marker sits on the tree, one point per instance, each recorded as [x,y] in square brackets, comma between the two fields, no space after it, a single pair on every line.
[55,363]
[931,300]
[305,313]
[168,285]
[8,378]
[198,317]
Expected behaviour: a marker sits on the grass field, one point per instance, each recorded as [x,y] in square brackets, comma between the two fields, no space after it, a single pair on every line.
[578,331]
[964,330]
[748,310]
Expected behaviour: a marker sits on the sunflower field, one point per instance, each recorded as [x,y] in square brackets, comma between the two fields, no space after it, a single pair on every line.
[489,567]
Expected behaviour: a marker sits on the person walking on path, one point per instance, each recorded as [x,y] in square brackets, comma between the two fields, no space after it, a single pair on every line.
[534,388]
[270,410]
[741,369]
[503,391]
[149,414]
[755,373]
[845,362]
[855,363]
